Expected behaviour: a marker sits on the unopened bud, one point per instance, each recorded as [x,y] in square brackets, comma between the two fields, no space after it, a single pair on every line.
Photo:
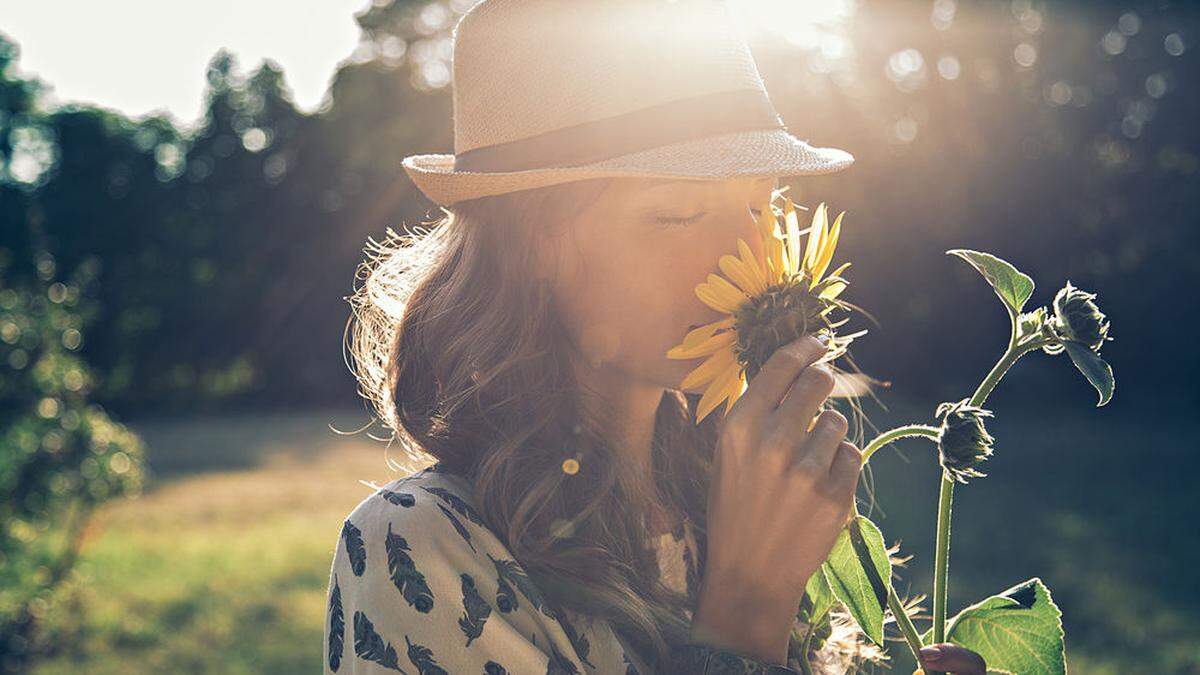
[963,441]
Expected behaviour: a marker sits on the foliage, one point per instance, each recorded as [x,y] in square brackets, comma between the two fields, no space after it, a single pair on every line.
[60,455]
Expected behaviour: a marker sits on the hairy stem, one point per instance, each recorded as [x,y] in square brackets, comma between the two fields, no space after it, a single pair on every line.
[907,431]
[941,562]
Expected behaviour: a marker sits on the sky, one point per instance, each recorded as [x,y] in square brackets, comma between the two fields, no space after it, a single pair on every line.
[145,56]
[139,56]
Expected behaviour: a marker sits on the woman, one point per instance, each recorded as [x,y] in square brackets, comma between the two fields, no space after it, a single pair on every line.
[578,519]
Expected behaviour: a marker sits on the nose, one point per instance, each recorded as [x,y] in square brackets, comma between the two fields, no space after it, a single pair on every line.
[750,230]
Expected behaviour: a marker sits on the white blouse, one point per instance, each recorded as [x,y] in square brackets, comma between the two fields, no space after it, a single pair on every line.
[418,584]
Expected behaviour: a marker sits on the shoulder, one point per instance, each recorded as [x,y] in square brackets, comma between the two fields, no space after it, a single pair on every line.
[416,573]
[429,514]
[422,534]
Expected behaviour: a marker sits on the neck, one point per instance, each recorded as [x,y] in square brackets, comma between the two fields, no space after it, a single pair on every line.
[628,408]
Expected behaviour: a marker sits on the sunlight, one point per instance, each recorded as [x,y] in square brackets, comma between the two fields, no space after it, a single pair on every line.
[804,23]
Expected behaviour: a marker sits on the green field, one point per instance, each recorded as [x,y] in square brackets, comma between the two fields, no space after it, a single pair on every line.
[221,565]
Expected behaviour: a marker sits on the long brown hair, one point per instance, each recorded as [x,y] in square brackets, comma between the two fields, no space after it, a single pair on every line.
[457,347]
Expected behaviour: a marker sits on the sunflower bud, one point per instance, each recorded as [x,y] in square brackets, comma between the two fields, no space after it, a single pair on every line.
[963,441]
[1077,318]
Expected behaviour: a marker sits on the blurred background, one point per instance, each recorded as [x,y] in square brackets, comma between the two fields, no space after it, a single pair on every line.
[185,195]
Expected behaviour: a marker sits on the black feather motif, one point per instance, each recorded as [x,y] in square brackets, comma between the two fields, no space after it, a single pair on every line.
[559,664]
[510,571]
[506,597]
[398,498]
[493,668]
[422,658]
[476,610]
[370,646]
[337,627]
[355,549]
[404,574]
[462,529]
[578,641]
[457,503]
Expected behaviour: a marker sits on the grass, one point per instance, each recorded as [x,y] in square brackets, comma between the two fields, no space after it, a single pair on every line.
[221,565]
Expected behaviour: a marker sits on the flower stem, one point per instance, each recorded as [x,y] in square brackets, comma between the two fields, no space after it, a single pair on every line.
[896,434]
[941,562]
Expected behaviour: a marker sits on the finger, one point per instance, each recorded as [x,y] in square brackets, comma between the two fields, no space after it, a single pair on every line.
[821,446]
[767,388]
[847,466]
[952,658]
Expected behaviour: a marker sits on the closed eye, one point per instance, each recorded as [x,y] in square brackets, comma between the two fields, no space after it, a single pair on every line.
[668,220]
[681,222]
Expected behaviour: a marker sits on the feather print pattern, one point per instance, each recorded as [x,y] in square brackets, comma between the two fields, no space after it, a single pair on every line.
[578,641]
[458,526]
[400,563]
[337,628]
[422,657]
[457,503]
[475,609]
[506,597]
[355,548]
[398,498]
[404,574]
[510,571]
[559,664]
[370,646]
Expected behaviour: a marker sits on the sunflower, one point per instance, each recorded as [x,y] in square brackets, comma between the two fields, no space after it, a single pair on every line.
[770,301]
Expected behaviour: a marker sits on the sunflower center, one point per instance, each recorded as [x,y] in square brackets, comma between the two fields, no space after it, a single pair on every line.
[782,313]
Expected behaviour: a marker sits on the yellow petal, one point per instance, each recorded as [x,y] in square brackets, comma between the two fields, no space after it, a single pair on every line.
[841,268]
[709,346]
[756,267]
[736,390]
[727,290]
[709,296]
[835,289]
[739,274]
[793,237]
[717,391]
[776,259]
[712,368]
[827,248]
[699,335]
[816,234]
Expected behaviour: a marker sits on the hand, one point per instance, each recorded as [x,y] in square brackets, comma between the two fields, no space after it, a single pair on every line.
[780,495]
[953,659]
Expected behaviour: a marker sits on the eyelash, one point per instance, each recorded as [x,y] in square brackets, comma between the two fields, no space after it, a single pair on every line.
[666,220]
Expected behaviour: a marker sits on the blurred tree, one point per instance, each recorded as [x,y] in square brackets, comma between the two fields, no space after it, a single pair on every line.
[60,455]
[1057,134]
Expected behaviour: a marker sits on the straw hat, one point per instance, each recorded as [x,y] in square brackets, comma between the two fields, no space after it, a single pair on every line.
[552,91]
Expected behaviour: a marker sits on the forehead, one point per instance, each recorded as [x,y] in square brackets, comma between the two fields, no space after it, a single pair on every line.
[655,185]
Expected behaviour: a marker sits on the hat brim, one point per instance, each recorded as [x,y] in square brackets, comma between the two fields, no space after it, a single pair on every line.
[772,152]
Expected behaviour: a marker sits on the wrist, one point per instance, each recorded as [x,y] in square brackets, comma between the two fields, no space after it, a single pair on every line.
[729,620]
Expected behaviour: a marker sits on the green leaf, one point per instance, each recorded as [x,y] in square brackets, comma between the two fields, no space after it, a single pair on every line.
[863,589]
[1095,369]
[1013,287]
[1019,631]
[819,593]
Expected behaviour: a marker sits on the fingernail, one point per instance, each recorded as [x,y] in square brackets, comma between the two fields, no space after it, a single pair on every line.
[931,653]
